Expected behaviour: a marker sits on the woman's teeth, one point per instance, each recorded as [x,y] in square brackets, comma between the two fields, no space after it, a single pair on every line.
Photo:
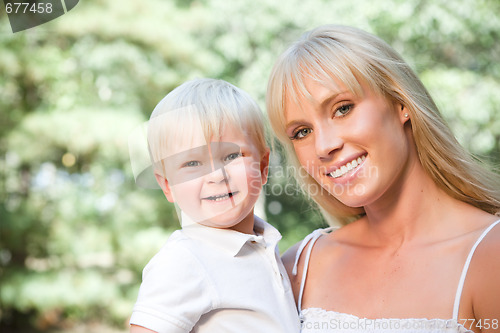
[347,167]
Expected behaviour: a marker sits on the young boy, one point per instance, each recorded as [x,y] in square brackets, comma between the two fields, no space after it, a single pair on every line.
[221,272]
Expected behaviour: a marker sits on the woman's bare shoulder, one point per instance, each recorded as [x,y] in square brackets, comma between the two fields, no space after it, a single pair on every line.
[292,258]
[488,250]
[483,276]
[289,257]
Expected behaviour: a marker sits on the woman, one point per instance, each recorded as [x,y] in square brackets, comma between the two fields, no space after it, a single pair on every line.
[422,250]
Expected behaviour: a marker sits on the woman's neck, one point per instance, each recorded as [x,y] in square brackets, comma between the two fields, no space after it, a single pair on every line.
[411,208]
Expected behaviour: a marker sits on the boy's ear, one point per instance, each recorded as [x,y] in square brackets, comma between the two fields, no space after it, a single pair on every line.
[163,182]
[264,166]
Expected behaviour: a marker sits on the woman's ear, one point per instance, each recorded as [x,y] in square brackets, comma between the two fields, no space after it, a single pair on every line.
[404,115]
[264,166]
[163,182]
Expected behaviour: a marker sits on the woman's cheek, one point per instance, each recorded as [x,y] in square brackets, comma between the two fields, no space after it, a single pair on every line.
[309,164]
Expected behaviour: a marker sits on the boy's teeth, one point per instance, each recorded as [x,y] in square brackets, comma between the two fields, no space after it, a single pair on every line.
[347,167]
[219,197]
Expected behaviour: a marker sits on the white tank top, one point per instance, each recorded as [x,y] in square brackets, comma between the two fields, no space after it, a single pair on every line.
[317,320]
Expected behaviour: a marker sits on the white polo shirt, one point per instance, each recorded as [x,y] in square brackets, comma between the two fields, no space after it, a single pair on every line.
[217,280]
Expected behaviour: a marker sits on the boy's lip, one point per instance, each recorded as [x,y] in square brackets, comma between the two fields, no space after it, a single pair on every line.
[228,195]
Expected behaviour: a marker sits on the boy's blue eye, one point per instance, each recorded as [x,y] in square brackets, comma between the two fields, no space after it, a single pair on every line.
[191,164]
[232,157]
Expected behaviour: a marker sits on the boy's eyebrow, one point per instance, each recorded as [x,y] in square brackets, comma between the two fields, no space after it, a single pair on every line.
[187,154]
[212,165]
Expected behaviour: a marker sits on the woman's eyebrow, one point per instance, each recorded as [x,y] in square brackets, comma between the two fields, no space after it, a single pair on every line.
[294,123]
[332,96]
[323,103]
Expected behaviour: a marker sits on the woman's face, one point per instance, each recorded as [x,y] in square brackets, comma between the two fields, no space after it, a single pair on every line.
[355,147]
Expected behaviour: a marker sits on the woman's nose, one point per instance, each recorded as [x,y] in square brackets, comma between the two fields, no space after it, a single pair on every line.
[327,141]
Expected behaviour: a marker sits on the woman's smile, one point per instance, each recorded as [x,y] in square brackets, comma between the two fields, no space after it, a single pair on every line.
[347,167]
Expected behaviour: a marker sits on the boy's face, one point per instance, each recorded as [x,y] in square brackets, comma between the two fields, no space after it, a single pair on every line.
[217,185]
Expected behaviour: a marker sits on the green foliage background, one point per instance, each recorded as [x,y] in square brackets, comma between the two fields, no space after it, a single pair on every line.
[75,231]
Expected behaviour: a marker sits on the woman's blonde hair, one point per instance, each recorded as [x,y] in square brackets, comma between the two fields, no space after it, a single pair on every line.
[206,105]
[345,54]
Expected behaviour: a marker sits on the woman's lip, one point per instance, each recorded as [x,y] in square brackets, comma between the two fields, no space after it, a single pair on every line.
[344,162]
[345,175]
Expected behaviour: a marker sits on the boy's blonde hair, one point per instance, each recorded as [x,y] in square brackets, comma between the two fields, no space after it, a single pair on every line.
[206,105]
[351,56]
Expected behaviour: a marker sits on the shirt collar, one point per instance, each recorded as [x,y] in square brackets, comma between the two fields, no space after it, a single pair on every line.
[232,241]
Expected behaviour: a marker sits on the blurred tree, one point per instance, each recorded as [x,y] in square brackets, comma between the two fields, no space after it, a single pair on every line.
[75,231]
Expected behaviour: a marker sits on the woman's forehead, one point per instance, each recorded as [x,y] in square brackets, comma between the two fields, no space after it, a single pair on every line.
[314,91]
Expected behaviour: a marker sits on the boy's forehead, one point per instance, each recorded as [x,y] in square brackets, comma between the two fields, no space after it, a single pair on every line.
[190,140]
[214,150]
[179,130]
[187,140]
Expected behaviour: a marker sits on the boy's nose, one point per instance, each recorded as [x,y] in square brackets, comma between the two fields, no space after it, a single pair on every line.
[217,176]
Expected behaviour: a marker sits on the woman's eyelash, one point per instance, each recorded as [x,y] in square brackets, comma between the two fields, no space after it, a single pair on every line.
[343,110]
[300,133]
[340,112]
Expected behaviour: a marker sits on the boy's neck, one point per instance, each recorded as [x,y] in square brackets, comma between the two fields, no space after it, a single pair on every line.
[246,225]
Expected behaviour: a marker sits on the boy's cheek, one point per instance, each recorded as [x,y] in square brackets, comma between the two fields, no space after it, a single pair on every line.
[255,185]
[184,175]
[246,176]
[237,170]
[253,168]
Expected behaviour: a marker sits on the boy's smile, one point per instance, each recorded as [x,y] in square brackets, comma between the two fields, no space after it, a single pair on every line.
[221,197]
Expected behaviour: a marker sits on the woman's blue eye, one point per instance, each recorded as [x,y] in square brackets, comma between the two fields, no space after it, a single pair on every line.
[191,164]
[301,133]
[343,110]
[232,156]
